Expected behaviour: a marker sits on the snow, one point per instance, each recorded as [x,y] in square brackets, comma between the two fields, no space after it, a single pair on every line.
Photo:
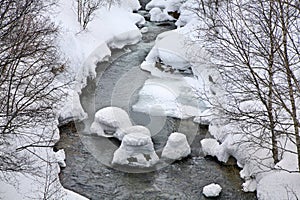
[278,185]
[112,28]
[166,5]
[121,132]
[177,147]
[211,146]
[109,119]
[156,3]
[175,50]
[157,15]
[83,49]
[170,49]
[212,190]
[136,150]
[169,97]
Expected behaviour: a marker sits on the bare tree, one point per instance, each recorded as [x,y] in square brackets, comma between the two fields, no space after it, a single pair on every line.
[29,64]
[255,46]
[86,10]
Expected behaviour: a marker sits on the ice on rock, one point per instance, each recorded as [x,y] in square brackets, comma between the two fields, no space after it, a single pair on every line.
[136,150]
[108,120]
[177,147]
[121,132]
[212,190]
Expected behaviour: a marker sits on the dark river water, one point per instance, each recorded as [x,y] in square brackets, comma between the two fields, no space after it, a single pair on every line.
[88,158]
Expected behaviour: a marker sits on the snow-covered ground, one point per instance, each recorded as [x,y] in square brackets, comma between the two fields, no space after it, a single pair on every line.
[110,28]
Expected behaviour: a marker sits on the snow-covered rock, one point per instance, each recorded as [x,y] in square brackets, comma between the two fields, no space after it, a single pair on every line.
[156,3]
[136,150]
[108,120]
[212,190]
[177,147]
[144,30]
[121,132]
[157,15]
[211,146]
[169,97]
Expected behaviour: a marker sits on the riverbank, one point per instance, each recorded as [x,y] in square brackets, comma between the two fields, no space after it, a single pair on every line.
[82,49]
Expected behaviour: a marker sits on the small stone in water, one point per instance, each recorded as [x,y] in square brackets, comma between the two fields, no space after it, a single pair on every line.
[212,190]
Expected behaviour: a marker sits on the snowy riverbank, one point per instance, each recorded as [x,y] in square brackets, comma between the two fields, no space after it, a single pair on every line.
[179,49]
[83,49]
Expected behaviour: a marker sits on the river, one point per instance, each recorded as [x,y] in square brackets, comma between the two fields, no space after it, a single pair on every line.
[88,158]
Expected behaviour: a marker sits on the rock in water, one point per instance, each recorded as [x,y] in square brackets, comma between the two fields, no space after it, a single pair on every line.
[177,147]
[121,132]
[136,150]
[212,190]
[108,120]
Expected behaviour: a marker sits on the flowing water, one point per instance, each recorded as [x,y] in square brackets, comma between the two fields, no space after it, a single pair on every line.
[88,158]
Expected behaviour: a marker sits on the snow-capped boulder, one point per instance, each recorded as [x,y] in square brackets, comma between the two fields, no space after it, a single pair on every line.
[121,132]
[136,150]
[144,30]
[211,146]
[108,120]
[157,15]
[177,147]
[156,3]
[212,190]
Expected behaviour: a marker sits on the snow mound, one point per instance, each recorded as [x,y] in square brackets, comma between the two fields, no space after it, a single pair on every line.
[279,185]
[212,147]
[212,190]
[108,120]
[121,132]
[177,147]
[170,48]
[169,97]
[136,150]
[156,3]
[157,15]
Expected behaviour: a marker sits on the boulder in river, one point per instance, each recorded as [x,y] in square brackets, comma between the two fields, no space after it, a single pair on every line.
[121,132]
[108,120]
[177,147]
[136,150]
[212,190]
